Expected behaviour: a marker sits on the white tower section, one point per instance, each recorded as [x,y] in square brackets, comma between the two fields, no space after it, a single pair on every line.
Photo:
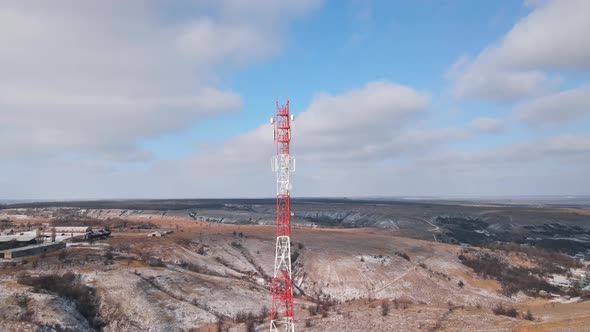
[281,312]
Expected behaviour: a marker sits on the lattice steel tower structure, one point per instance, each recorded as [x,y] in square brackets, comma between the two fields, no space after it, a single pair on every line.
[281,311]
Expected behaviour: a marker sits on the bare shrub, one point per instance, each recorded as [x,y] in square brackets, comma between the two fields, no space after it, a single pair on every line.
[436,327]
[70,287]
[313,310]
[528,315]
[403,255]
[194,267]
[22,300]
[156,262]
[244,317]
[385,308]
[551,260]
[294,256]
[401,303]
[67,286]
[512,278]
[263,314]
[250,326]
[505,311]
[248,318]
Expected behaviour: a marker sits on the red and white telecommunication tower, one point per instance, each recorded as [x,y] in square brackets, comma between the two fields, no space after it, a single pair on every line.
[281,311]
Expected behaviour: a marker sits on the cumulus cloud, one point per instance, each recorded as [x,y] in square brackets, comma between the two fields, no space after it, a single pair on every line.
[95,78]
[368,123]
[483,80]
[556,108]
[83,82]
[487,125]
[551,37]
[339,141]
[238,31]
[243,169]
[553,165]
[238,42]
[545,166]
[364,121]
[535,150]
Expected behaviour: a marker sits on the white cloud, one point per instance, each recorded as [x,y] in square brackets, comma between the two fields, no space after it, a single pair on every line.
[535,150]
[209,42]
[83,82]
[362,120]
[556,108]
[546,166]
[487,125]
[241,168]
[369,122]
[95,78]
[551,37]
[340,141]
[481,80]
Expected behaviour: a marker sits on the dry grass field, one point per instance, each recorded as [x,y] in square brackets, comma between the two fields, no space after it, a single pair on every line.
[209,276]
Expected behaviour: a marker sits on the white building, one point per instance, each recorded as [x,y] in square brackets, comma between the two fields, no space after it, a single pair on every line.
[63,230]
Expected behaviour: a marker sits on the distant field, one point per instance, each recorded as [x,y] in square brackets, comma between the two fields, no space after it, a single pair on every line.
[559,223]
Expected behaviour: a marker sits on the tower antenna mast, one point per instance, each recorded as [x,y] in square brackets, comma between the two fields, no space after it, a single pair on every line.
[281,311]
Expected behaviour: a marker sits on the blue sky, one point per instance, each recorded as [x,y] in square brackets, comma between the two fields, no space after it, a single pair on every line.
[345,44]
[172,99]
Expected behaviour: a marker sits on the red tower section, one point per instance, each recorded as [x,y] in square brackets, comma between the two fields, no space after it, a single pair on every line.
[281,312]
